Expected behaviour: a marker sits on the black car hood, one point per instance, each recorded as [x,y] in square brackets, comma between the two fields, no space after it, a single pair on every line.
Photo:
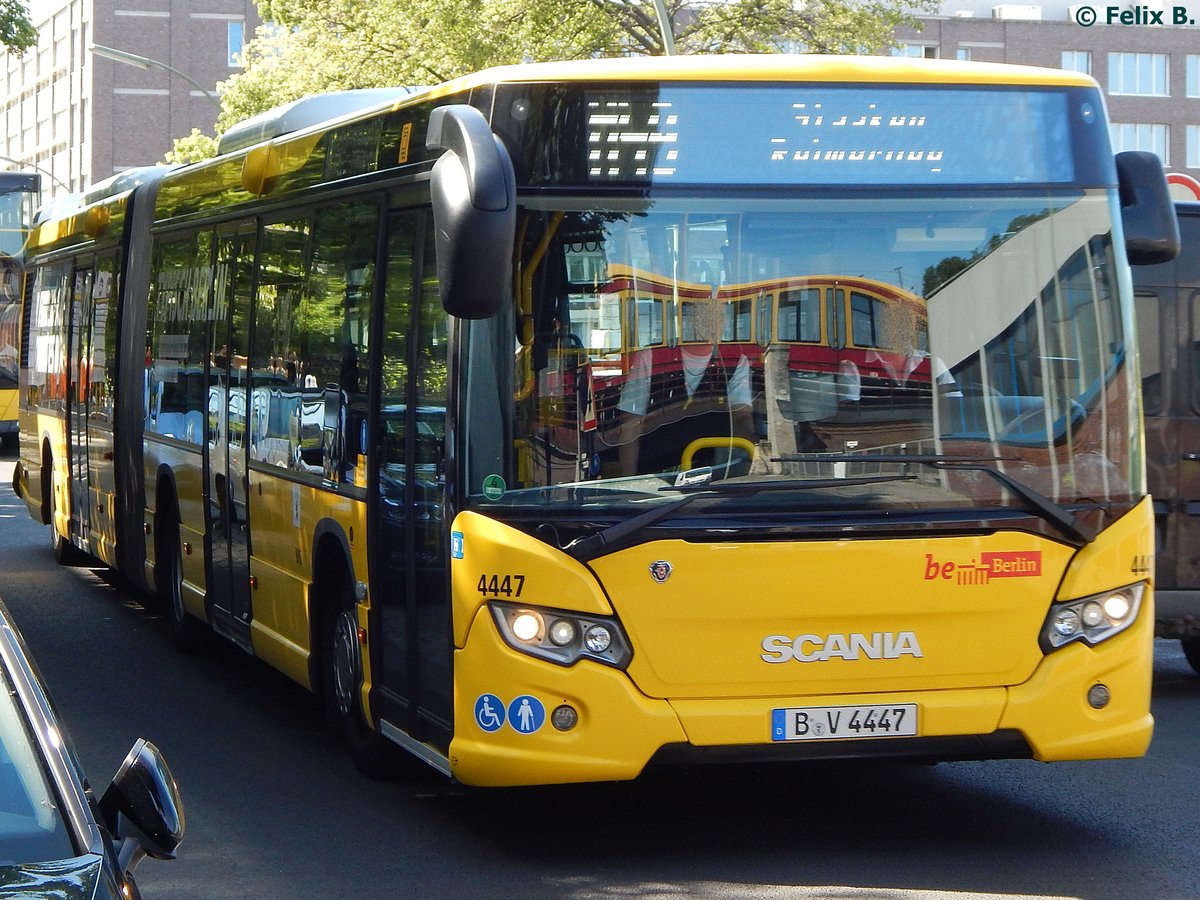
[80,878]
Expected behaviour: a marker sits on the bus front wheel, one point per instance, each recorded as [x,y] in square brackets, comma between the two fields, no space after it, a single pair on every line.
[373,754]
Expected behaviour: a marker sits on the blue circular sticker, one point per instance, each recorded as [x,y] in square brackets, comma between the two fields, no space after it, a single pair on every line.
[526,714]
[489,712]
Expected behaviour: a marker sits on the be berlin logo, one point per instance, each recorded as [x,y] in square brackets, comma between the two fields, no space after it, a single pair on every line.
[1087,16]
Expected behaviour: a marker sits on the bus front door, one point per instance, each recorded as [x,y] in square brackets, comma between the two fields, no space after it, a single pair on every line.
[409,552]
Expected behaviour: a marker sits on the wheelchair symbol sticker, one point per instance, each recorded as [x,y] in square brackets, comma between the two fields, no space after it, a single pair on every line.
[489,712]
[526,714]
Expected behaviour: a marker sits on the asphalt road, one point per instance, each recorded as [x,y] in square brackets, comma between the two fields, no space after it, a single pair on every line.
[276,810]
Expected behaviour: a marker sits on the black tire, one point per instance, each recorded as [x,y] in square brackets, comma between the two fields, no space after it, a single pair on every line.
[1191,649]
[341,679]
[189,633]
[65,553]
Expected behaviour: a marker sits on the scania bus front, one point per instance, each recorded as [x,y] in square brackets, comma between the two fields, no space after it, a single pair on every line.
[811,429]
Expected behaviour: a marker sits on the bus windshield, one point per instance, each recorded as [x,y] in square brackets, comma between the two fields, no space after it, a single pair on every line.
[662,343]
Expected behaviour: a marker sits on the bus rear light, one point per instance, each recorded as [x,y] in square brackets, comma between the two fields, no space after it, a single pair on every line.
[1092,619]
[568,638]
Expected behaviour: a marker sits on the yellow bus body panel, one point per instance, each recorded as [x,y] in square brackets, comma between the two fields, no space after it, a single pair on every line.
[770,67]
[551,578]
[618,730]
[9,405]
[698,675]
[700,634]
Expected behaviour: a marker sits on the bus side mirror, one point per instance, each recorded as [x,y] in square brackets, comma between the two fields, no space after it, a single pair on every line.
[1147,213]
[474,212]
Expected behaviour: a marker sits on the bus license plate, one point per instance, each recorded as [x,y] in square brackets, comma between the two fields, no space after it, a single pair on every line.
[827,723]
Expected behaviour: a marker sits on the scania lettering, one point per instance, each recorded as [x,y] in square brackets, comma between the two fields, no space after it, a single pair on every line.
[535,419]
[811,648]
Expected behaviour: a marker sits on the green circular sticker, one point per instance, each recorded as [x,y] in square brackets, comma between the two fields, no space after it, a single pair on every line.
[493,487]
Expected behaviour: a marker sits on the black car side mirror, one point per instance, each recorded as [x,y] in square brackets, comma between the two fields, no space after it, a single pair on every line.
[142,807]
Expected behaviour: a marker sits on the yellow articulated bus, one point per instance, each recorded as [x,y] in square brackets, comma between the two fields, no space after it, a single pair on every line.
[451,405]
[18,197]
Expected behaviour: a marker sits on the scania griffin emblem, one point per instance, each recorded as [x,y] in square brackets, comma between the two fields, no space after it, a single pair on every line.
[660,571]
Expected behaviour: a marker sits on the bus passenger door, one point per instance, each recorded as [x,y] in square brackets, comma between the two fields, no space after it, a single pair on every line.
[100,392]
[228,420]
[78,376]
[409,571]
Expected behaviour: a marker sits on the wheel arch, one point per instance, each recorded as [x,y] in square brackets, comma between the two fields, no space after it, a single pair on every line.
[332,567]
[166,516]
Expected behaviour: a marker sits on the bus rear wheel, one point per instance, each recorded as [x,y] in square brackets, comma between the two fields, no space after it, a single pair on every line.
[373,754]
[1191,650]
[188,632]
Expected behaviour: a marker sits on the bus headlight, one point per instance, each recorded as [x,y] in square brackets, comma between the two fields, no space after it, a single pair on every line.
[1092,619]
[561,637]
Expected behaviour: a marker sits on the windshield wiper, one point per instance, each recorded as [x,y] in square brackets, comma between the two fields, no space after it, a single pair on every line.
[1056,514]
[611,537]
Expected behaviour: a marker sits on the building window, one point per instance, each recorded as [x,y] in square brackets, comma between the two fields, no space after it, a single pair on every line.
[236,40]
[1193,76]
[1077,61]
[1193,146]
[1141,137]
[916,51]
[1138,73]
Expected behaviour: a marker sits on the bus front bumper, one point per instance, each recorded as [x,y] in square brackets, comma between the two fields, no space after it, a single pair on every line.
[1080,703]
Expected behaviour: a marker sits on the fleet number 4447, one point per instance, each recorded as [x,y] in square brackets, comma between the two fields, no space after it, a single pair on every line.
[501,585]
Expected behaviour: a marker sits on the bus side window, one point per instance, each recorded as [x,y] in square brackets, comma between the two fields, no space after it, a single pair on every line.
[1194,345]
[1149,306]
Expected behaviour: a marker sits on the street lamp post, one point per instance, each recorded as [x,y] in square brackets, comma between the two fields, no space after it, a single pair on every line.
[144,62]
[665,26]
[24,164]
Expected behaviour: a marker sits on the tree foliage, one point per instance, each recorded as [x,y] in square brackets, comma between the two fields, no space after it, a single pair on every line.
[193,148]
[17,33]
[312,46]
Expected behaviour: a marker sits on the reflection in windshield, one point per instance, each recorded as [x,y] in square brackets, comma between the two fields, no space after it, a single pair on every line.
[31,829]
[762,339]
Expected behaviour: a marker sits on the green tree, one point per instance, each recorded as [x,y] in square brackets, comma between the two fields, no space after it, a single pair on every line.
[17,33]
[193,148]
[312,46]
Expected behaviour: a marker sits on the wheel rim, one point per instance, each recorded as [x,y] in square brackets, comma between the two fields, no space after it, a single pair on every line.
[176,586]
[346,663]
